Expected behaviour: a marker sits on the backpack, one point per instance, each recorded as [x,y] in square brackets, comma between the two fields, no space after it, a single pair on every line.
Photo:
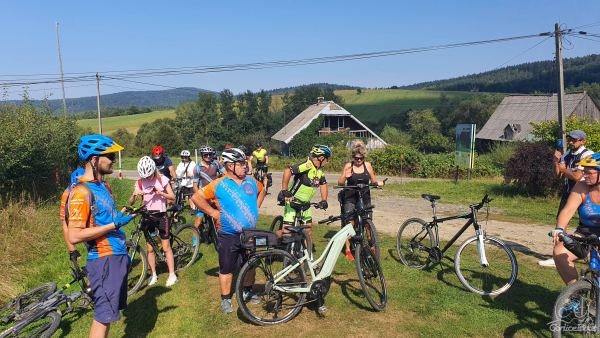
[92,201]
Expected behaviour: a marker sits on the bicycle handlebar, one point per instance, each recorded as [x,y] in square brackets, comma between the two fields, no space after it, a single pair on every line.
[330,219]
[484,200]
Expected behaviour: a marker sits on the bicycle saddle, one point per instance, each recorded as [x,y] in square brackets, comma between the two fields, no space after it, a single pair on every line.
[430,198]
[294,229]
[299,206]
[175,208]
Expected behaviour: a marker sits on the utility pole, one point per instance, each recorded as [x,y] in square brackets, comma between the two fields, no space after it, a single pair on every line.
[62,75]
[561,85]
[98,103]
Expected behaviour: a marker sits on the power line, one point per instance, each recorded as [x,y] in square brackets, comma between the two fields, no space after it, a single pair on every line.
[116,75]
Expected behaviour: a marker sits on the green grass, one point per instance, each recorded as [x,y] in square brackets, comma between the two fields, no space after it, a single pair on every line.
[507,204]
[421,303]
[130,122]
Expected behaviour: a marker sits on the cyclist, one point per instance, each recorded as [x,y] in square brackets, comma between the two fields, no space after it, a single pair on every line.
[94,219]
[206,171]
[163,162]
[262,161]
[565,167]
[585,198]
[155,191]
[75,175]
[358,171]
[307,177]
[185,171]
[238,197]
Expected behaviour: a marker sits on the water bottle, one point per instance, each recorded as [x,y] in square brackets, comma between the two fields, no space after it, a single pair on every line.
[594,260]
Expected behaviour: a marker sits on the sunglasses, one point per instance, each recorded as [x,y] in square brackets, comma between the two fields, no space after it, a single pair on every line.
[206,155]
[110,156]
[358,158]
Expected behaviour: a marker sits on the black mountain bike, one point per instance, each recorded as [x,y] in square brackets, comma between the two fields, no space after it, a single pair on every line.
[175,212]
[38,312]
[184,239]
[294,240]
[208,232]
[260,173]
[483,264]
[576,308]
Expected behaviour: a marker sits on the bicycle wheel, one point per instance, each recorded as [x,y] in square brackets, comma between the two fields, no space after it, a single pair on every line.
[277,304]
[25,302]
[185,245]
[370,277]
[414,243]
[40,326]
[138,267]
[214,236]
[490,279]
[371,237]
[575,310]
[277,223]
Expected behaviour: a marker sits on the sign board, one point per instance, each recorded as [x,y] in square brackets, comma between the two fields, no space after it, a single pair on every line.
[464,156]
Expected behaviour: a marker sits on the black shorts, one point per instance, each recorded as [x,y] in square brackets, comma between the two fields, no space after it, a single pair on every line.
[231,254]
[157,220]
[586,231]
[187,191]
[349,204]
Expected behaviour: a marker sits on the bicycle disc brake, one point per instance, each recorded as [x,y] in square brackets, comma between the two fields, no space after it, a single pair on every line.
[435,255]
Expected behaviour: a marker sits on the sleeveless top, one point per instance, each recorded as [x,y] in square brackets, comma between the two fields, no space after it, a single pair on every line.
[356,178]
[589,213]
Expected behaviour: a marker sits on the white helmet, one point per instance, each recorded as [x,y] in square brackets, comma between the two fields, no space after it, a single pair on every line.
[185,153]
[146,167]
[233,155]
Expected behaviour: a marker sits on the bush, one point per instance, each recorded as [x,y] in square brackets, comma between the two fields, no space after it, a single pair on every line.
[531,169]
[396,160]
[159,132]
[547,131]
[38,151]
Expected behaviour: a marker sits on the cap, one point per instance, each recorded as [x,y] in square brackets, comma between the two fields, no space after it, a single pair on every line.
[577,134]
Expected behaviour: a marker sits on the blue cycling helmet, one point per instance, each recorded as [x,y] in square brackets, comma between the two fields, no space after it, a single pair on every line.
[76,174]
[321,150]
[95,144]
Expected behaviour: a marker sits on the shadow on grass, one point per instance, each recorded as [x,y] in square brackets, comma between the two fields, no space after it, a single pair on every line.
[142,313]
[214,272]
[532,304]
[351,292]
[67,321]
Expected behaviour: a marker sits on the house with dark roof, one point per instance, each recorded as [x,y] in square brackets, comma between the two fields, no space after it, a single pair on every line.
[336,119]
[511,121]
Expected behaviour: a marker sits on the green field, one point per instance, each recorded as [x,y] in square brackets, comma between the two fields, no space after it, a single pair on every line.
[130,122]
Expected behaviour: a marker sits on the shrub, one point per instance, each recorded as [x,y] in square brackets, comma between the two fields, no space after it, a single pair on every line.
[547,131]
[396,160]
[531,169]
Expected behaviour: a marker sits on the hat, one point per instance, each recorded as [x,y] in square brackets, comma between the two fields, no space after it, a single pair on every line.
[577,134]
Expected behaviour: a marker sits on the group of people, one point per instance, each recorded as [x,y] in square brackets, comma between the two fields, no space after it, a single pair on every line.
[222,188]
[579,167]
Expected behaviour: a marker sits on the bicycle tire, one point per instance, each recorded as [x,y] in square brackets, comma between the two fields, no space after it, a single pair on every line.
[25,302]
[277,223]
[275,307]
[414,243]
[488,280]
[575,307]
[39,326]
[138,267]
[370,277]
[372,238]
[185,246]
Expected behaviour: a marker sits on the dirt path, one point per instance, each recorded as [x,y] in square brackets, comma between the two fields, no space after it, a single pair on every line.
[391,211]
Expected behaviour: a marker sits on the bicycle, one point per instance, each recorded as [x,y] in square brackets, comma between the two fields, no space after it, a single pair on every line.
[175,212]
[38,312]
[280,279]
[184,242]
[208,232]
[478,262]
[260,172]
[577,306]
[295,240]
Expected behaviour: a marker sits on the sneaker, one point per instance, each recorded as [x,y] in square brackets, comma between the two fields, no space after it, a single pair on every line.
[547,262]
[226,306]
[250,297]
[349,255]
[194,241]
[171,280]
[153,280]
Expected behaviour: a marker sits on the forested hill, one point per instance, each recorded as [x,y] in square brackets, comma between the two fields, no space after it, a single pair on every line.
[524,78]
[280,91]
[148,98]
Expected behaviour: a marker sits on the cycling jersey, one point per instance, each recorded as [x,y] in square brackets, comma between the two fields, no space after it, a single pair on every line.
[205,174]
[83,214]
[260,155]
[185,171]
[237,203]
[589,213]
[306,179]
[163,165]
[150,187]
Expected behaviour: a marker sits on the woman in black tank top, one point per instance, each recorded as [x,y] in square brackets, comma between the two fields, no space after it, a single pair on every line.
[358,171]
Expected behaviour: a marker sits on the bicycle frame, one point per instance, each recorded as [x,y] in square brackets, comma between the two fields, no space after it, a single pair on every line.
[328,257]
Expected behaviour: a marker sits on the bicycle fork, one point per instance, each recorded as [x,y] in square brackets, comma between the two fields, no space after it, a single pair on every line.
[480,247]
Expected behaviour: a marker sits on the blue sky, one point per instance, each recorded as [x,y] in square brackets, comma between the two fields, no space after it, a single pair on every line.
[103,36]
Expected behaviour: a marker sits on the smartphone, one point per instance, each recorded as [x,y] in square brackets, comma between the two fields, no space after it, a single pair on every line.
[559,144]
